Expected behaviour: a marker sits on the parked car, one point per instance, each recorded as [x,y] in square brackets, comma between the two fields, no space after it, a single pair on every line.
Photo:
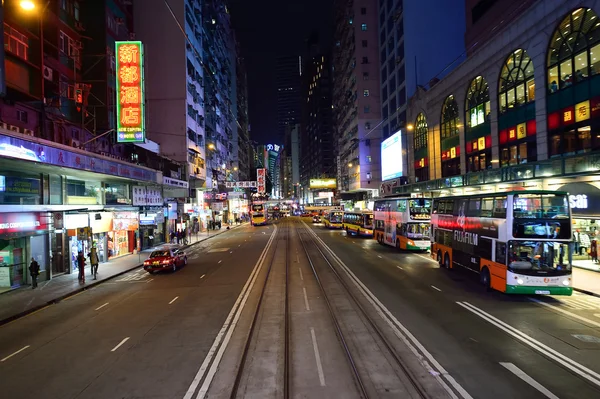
[316,219]
[165,259]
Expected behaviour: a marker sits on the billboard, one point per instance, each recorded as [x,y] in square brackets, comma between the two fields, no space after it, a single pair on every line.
[391,157]
[323,183]
[130,92]
[261,180]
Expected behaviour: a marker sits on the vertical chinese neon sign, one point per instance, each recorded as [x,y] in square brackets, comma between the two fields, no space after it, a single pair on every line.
[130,92]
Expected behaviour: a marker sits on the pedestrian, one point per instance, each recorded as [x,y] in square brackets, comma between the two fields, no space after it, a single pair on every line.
[94,261]
[178,236]
[81,266]
[34,271]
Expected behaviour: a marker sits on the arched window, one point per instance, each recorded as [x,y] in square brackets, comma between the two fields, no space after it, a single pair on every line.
[574,52]
[420,132]
[477,104]
[450,119]
[517,86]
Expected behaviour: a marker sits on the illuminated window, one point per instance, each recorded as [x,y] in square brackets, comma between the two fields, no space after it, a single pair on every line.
[363,26]
[366,93]
[574,52]
[517,85]
[16,42]
[420,136]
[477,104]
[450,118]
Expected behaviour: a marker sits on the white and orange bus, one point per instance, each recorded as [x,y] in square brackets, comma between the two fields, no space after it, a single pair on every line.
[519,242]
[403,222]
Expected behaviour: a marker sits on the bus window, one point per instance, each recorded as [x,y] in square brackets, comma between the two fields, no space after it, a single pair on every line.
[501,252]
[417,230]
[474,207]
[487,207]
[499,207]
[368,221]
[541,206]
[539,255]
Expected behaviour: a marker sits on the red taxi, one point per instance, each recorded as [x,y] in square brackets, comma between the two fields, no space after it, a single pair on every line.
[165,259]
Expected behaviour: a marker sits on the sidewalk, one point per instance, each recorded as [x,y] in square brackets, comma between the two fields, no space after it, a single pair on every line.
[586,281]
[22,301]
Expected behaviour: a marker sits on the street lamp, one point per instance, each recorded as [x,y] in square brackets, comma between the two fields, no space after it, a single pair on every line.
[211,146]
[350,165]
[27,5]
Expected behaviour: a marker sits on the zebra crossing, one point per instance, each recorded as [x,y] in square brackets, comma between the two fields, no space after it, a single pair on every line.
[578,302]
[138,275]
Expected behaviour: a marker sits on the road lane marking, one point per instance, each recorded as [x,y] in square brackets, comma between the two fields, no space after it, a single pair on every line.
[570,314]
[400,267]
[427,258]
[552,354]
[436,288]
[522,375]
[306,299]
[297,258]
[173,300]
[220,261]
[317,357]
[216,352]
[301,276]
[379,256]
[426,358]
[149,280]
[120,343]
[239,245]
[101,306]
[202,276]
[230,252]
[16,353]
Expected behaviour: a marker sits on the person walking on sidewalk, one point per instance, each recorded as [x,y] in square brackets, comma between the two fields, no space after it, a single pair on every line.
[34,271]
[94,261]
[81,266]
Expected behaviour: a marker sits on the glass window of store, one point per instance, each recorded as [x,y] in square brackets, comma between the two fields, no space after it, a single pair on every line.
[83,192]
[477,130]
[117,194]
[516,91]
[449,130]
[20,188]
[421,148]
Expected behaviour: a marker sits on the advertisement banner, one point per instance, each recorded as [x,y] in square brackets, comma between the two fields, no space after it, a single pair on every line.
[21,222]
[130,92]
[261,180]
[19,186]
[12,147]
[391,157]
[323,183]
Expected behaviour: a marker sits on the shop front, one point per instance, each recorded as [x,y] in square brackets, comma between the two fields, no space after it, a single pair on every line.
[585,208]
[122,240]
[22,236]
[78,229]
[152,228]
[101,224]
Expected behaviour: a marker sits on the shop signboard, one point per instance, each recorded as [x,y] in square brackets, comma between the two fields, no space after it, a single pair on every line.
[143,196]
[584,199]
[12,147]
[169,181]
[261,180]
[18,222]
[21,186]
[323,183]
[83,233]
[130,92]
[242,184]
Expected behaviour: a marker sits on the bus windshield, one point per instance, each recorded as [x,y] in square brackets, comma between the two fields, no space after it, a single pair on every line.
[257,215]
[336,217]
[420,209]
[417,230]
[539,256]
[369,221]
[541,206]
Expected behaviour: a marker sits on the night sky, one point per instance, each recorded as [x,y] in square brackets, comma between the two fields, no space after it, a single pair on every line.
[266,29]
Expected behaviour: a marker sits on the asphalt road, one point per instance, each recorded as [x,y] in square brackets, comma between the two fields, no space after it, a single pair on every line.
[489,342]
[136,336]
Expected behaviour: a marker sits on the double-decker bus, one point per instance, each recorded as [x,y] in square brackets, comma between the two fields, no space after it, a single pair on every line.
[259,214]
[360,223]
[519,242]
[333,219]
[403,223]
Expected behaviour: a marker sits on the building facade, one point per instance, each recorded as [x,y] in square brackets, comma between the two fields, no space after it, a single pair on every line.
[356,99]
[288,72]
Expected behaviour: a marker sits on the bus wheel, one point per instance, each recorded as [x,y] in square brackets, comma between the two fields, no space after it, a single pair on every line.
[486,279]
[439,259]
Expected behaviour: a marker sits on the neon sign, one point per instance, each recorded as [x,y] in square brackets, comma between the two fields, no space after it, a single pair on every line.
[130,92]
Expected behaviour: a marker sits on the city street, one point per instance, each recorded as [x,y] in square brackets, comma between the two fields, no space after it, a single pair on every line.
[149,336]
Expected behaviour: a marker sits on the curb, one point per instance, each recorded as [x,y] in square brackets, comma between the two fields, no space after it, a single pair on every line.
[60,298]
[587,292]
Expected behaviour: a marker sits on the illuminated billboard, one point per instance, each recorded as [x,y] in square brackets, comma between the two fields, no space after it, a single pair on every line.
[130,92]
[261,180]
[391,157]
[323,183]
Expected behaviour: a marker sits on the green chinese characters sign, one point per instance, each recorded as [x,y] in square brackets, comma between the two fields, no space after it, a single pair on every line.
[130,92]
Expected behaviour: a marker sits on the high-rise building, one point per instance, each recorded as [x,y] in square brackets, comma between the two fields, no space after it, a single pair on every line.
[356,98]
[317,148]
[174,76]
[244,145]
[290,160]
[288,71]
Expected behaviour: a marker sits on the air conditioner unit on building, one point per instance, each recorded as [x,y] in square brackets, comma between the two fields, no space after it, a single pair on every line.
[14,128]
[3,125]
[48,73]
[74,143]
[28,132]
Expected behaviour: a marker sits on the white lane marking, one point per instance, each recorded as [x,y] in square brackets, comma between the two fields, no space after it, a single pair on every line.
[220,261]
[149,280]
[426,257]
[570,314]
[306,299]
[426,358]
[230,252]
[522,375]
[558,357]
[301,276]
[317,357]
[227,328]
[120,343]
[298,258]
[173,300]
[400,267]
[379,256]
[202,276]
[597,314]
[17,352]
[101,306]
[436,288]
[239,245]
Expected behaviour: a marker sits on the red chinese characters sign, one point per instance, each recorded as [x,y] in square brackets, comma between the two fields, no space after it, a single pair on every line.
[130,92]
[261,180]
